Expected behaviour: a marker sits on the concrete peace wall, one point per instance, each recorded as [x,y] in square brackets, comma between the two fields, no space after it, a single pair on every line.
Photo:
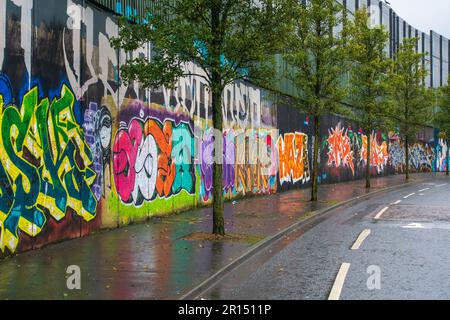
[81,151]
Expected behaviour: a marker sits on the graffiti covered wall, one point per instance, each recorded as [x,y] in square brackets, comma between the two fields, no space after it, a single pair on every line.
[425,155]
[80,150]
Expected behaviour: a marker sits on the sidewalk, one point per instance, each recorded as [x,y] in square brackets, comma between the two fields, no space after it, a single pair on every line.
[153,261]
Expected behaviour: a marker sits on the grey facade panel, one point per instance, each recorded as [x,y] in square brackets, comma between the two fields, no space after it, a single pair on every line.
[397,27]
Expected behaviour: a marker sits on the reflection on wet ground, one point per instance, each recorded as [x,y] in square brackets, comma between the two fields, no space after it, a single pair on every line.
[152,260]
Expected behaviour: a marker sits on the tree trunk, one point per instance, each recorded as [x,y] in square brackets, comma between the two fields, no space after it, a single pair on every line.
[368,161]
[218,220]
[407,158]
[446,161]
[315,174]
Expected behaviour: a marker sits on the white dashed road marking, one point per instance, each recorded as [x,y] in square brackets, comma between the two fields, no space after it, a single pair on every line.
[397,202]
[409,195]
[424,189]
[414,226]
[378,216]
[335,293]
[363,235]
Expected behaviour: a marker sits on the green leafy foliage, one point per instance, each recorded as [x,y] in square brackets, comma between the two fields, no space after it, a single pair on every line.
[317,55]
[368,71]
[368,82]
[412,101]
[442,117]
[228,40]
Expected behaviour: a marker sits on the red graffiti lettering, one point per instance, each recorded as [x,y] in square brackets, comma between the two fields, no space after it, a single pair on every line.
[340,152]
[125,153]
[166,167]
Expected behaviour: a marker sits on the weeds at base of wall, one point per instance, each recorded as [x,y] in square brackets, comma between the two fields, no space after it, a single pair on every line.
[308,215]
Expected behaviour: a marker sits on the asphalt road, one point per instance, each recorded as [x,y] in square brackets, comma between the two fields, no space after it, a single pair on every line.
[403,253]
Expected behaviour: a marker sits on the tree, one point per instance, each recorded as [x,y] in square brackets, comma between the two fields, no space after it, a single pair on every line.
[368,76]
[442,119]
[228,40]
[412,100]
[317,57]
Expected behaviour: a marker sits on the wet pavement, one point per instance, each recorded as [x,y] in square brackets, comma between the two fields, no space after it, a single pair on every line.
[153,261]
[407,251]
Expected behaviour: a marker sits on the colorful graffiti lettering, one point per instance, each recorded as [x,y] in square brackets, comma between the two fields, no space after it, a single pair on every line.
[379,155]
[254,163]
[250,178]
[339,148]
[229,159]
[244,170]
[254,170]
[99,147]
[397,155]
[441,155]
[421,157]
[152,159]
[206,166]
[293,158]
[45,165]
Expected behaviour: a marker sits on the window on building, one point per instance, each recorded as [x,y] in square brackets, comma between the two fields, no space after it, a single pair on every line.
[351,6]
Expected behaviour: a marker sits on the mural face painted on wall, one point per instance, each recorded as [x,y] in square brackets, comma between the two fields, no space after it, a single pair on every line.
[339,148]
[98,130]
[378,152]
[293,158]
[104,137]
[45,165]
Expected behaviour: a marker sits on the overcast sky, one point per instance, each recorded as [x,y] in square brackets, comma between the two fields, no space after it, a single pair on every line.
[425,15]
